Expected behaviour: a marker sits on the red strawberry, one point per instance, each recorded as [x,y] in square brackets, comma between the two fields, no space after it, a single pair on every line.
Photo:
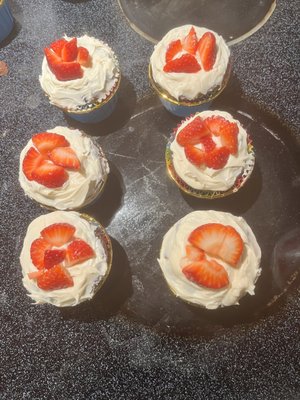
[65,157]
[186,63]
[53,257]
[217,158]
[174,48]
[78,251]
[83,57]
[194,253]
[207,273]
[228,134]
[192,132]
[58,234]
[190,42]
[195,155]
[232,247]
[58,45]
[208,237]
[47,141]
[215,124]
[207,50]
[55,278]
[35,274]
[69,51]
[37,251]
[208,143]
[31,161]
[63,71]
[50,175]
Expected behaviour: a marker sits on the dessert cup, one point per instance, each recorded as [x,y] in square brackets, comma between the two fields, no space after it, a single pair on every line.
[83,186]
[91,95]
[6,20]
[242,277]
[204,182]
[88,276]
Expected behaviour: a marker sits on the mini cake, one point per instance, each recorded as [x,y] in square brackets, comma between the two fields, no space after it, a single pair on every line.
[81,76]
[188,68]
[62,169]
[210,259]
[210,155]
[65,258]
[6,20]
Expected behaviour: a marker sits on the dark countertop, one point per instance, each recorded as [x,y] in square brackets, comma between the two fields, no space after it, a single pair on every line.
[50,354]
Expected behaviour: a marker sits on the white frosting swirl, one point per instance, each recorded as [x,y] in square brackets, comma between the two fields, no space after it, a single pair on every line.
[83,185]
[204,178]
[188,85]
[242,279]
[95,85]
[86,275]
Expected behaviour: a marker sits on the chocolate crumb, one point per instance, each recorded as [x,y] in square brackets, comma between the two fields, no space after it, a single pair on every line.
[3,68]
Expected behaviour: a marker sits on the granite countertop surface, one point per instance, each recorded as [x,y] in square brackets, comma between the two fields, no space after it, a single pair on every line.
[120,352]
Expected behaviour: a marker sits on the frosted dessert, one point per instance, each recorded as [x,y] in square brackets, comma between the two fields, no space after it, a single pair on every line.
[80,75]
[189,63]
[210,151]
[211,259]
[64,259]
[62,169]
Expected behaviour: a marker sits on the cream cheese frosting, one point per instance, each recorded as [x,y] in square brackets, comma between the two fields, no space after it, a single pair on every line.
[242,279]
[189,86]
[95,85]
[86,275]
[83,185]
[203,177]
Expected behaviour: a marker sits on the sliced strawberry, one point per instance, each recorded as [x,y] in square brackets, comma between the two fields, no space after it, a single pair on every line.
[47,141]
[53,257]
[232,247]
[192,132]
[229,137]
[217,158]
[35,274]
[31,161]
[58,45]
[208,237]
[208,143]
[194,155]
[63,71]
[207,273]
[69,51]
[50,175]
[186,63]
[190,42]
[55,278]
[215,124]
[174,48]
[207,50]
[83,57]
[37,251]
[65,157]
[194,253]
[78,251]
[58,234]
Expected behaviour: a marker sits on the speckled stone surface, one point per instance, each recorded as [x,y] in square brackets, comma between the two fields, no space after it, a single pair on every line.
[108,350]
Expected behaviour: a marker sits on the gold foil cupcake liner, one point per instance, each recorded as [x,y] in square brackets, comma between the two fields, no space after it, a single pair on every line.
[210,194]
[190,103]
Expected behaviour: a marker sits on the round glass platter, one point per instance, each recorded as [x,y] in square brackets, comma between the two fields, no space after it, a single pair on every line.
[140,203]
[235,20]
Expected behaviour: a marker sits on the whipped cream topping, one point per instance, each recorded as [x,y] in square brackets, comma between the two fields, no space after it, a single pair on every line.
[95,85]
[242,279]
[86,275]
[188,86]
[203,177]
[83,185]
